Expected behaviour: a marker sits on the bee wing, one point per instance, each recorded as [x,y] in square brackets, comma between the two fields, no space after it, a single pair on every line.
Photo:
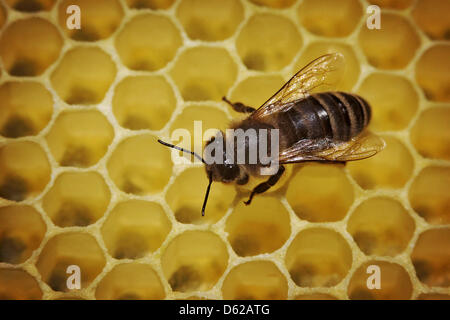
[363,146]
[325,70]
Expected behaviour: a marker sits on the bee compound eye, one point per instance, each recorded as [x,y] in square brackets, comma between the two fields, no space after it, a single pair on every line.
[230,172]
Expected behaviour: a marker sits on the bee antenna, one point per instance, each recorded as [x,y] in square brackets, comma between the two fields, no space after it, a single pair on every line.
[181,149]
[207,194]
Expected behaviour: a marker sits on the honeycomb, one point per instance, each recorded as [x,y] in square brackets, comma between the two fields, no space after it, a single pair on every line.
[83,181]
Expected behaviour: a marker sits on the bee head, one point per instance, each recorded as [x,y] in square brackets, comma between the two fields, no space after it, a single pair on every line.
[225,170]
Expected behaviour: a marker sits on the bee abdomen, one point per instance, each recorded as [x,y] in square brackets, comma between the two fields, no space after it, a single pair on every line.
[348,114]
[334,115]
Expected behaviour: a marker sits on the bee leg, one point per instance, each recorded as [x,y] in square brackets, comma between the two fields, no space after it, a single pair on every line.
[264,186]
[239,107]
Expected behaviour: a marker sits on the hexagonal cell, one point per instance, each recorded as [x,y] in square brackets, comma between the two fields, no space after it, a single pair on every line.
[255,90]
[16,284]
[99,20]
[315,296]
[130,281]
[278,4]
[431,133]
[431,257]
[150,4]
[67,249]
[80,138]
[431,73]
[433,296]
[194,261]
[395,283]
[83,75]
[211,118]
[77,199]
[393,99]
[29,46]
[31,5]
[320,193]
[352,69]
[134,228]
[392,4]
[24,170]
[148,42]
[140,165]
[318,257]
[26,108]
[204,73]
[391,47]
[21,232]
[432,17]
[429,194]
[260,45]
[186,201]
[390,168]
[143,102]
[255,280]
[330,18]
[248,227]
[195,16]
[381,226]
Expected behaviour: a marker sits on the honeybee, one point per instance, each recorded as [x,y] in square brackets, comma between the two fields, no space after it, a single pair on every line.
[321,126]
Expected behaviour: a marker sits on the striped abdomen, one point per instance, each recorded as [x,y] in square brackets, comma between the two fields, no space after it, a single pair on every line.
[334,115]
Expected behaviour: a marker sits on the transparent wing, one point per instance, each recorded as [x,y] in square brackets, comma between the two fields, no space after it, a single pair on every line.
[363,146]
[323,71]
